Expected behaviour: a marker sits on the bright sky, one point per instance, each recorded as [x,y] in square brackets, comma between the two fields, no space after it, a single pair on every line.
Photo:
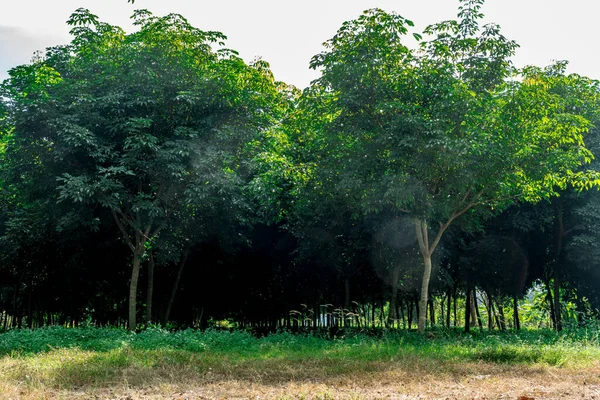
[288,33]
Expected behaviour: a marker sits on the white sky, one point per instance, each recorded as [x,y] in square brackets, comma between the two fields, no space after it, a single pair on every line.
[288,33]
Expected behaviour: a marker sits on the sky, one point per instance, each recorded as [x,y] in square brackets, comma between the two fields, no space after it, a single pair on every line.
[288,33]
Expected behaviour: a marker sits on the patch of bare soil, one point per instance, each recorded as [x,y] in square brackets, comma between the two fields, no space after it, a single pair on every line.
[467,381]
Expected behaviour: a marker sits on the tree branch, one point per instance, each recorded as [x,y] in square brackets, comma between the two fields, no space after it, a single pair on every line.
[420,238]
[123,231]
[445,226]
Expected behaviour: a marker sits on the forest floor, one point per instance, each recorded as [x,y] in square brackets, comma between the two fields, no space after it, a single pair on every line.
[94,363]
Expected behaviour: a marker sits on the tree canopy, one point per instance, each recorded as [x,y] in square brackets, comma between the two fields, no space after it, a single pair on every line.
[418,166]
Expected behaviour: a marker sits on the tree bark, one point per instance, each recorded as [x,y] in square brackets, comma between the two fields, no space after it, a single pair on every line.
[150,289]
[424,292]
[409,313]
[557,267]
[476,307]
[490,311]
[423,239]
[175,286]
[347,294]
[454,296]
[550,303]
[135,274]
[516,313]
[432,312]
[501,318]
[468,307]
[393,314]
[426,248]
[448,309]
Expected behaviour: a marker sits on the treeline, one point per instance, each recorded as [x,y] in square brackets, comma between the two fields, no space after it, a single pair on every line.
[156,177]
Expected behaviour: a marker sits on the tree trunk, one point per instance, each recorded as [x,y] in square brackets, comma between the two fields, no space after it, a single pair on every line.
[468,307]
[424,292]
[393,314]
[426,248]
[476,306]
[175,286]
[432,312]
[550,303]
[557,266]
[490,311]
[135,274]
[557,312]
[442,314]
[347,294]
[448,308]
[516,313]
[454,296]
[150,289]
[409,313]
[474,309]
[501,320]
[401,311]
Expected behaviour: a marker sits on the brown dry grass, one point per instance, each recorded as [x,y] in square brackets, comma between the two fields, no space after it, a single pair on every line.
[76,374]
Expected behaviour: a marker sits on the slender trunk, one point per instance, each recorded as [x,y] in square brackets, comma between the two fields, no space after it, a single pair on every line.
[393,314]
[448,309]
[432,312]
[426,248]
[557,312]
[409,313]
[516,313]
[417,310]
[401,310]
[501,319]
[424,292]
[557,267]
[474,309]
[150,289]
[550,303]
[29,311]
[382,318]
[175,286]
[467,309]
[200,318]
[373,312]
[490,312]
[476,306]
[15,297]
[454,295]
[442,314]
[347,294]
[356,311]
[135,274]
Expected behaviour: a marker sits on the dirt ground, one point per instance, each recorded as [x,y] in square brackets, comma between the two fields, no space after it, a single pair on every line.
[475,381]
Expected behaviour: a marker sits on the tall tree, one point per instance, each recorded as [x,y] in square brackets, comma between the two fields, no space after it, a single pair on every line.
[142,124]
[446,131]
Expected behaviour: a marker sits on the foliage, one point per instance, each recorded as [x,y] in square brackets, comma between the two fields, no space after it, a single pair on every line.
[412,152]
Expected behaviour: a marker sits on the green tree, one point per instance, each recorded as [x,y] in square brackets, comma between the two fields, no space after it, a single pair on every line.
[144,124]
[448,130]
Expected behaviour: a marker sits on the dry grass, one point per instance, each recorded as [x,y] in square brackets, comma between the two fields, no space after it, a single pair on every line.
[125,374]
[97,364]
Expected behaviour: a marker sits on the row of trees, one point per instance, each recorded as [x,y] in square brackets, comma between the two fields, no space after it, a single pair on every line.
[162,148]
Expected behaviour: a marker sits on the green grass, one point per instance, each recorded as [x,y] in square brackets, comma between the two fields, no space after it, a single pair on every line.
[99,357]
[576,347]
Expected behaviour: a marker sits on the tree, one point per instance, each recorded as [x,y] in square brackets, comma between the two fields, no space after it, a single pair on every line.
[142,124]
[447,131]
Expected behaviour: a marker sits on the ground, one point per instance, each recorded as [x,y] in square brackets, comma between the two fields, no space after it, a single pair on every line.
[98,364]
[385,381]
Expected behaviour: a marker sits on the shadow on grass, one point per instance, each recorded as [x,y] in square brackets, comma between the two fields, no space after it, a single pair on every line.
[71,358]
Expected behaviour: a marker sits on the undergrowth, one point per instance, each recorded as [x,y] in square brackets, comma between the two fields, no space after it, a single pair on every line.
[571,348]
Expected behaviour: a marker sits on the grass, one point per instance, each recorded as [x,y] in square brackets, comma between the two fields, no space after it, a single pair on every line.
[66,360]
